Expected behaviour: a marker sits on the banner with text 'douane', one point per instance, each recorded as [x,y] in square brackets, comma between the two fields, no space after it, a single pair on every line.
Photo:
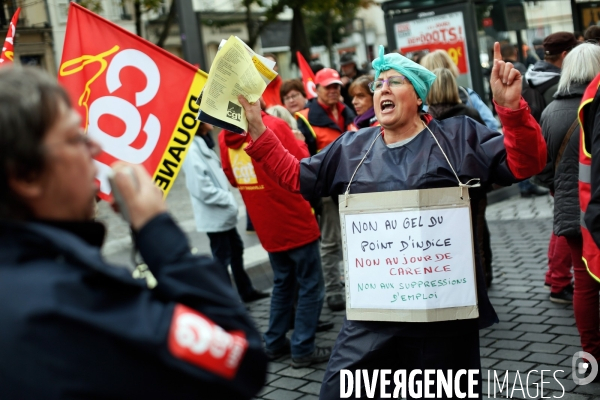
[135,99]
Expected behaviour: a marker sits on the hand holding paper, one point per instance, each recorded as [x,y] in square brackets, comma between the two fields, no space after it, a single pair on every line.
[236,71]
[256,127]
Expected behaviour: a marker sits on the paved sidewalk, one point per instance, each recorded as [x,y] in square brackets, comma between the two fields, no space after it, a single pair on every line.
[533,333]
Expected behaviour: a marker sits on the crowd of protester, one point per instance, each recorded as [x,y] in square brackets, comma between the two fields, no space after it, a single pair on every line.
[298,157]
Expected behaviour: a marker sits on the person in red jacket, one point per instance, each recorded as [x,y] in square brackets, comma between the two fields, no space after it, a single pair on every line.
[587,276]
[410,150]
[289,233]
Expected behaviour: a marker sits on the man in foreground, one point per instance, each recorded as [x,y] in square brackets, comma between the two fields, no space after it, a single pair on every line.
[74,326]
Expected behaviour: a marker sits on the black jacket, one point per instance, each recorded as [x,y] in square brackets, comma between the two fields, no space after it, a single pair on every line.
[75,327]
[556,121]
[541,73]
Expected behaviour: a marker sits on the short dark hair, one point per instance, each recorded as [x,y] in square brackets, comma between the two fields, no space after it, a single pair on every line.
[508,50]
[29,107]
[289,85]
[593,32]
[552,58]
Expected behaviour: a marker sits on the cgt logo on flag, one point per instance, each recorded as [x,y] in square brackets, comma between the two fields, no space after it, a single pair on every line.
[136,100]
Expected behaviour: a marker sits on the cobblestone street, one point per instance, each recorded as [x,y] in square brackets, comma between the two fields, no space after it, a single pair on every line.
[533,333]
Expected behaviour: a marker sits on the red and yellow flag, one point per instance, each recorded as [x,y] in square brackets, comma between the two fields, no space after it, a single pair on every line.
[7,55]
[308,78]
[137,100]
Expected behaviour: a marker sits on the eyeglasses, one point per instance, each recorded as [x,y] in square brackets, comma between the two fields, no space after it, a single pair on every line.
[392,81]
[79,139]
[291,97]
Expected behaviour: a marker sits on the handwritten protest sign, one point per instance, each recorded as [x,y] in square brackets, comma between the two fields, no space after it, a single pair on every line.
[409,256]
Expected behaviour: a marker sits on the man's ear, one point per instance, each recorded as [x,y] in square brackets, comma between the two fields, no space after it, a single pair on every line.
[26,188]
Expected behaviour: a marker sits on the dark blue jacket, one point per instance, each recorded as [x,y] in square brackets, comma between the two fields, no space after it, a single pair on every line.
[74,327]
[474,151]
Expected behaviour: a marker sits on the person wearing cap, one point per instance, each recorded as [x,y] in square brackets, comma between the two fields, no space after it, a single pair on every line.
[325,119]
[556,46]
[348,72]
[404,156]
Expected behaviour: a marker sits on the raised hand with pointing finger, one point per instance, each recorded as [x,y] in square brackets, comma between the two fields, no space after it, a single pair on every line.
[505,81]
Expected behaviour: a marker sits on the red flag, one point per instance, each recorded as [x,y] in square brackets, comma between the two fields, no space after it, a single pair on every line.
[6,57]
[137,100]
[307,76]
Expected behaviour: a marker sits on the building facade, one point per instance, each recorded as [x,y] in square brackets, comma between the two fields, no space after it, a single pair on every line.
[33,39]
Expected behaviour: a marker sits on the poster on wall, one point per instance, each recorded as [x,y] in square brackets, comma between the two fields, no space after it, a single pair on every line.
[590,17]
[444,31]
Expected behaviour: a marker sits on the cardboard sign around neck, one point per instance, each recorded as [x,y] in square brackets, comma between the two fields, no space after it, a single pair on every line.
[408,255]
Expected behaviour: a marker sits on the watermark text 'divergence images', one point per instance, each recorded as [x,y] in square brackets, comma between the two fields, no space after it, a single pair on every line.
[463,383]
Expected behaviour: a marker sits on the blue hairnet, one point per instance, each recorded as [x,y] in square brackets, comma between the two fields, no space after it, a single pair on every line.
[420,77]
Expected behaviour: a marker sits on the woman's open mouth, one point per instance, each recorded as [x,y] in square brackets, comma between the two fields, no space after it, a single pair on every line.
[387,106]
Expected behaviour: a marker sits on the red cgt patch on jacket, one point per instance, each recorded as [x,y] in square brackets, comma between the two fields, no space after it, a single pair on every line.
[196,339]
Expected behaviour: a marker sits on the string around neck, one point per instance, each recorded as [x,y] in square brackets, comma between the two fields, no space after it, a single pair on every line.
[358,166]
[460,184]
[474,182]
